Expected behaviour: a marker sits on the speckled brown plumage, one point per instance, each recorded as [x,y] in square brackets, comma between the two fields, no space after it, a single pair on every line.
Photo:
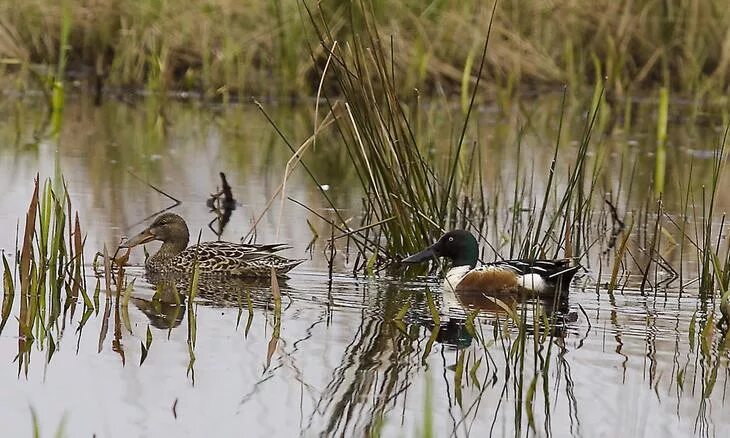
[237,259]
[213,258]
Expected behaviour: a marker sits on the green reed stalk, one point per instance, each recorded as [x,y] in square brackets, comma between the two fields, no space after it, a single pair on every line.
[378,133]
[427,427]
[465,79]
[192,319]
[460,142]
[574,187]
[44,272]
[380,141]
[273,342]
[618,258]
[706,283]
[660,161]
[57,93]
[249,306]
[8,293]
[146,346]
[459,376]
[36,423]
[551,174]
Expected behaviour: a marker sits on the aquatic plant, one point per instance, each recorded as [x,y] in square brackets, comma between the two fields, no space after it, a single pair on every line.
[50,272]
[405,195]
[412,192]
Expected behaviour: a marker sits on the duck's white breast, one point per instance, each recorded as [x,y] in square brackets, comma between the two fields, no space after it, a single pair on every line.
[454,276]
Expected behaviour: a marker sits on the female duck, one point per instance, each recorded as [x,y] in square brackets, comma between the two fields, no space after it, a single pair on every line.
[225,258]
[543,277]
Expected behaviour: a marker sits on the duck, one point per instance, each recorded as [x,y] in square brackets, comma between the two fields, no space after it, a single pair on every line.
[540,276]
[213,258]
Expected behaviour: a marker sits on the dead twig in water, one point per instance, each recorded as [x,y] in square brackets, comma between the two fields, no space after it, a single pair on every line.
[617,226]
[226,193]
[222,204]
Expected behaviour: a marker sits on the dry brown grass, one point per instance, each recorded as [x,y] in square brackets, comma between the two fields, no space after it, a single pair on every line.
[263,47]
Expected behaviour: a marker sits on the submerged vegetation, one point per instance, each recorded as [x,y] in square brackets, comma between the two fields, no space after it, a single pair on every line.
[226,48]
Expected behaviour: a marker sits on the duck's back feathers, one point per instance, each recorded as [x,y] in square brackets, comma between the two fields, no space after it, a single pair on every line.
[216,258]
[238,259]
[542,275]
[508,276]
[545,268]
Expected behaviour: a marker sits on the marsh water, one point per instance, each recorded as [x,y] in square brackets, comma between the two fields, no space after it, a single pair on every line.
[352,355]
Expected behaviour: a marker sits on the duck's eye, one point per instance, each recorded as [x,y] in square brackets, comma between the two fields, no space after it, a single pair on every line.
[451,239]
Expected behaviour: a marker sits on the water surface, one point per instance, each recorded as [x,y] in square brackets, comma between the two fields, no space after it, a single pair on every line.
[628,362]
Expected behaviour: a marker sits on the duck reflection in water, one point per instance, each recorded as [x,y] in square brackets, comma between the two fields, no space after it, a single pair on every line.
[166,309]
[455,307]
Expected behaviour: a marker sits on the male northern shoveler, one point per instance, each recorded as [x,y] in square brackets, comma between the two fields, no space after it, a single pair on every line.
[225,258]
[543,277]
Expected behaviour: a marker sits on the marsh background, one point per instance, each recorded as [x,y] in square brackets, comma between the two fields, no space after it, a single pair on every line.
[576,128]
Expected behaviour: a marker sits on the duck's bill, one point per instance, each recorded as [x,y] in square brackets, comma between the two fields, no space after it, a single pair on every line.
[141,238]
[425,255]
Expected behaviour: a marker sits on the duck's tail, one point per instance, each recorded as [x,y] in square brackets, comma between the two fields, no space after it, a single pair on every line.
[557,273]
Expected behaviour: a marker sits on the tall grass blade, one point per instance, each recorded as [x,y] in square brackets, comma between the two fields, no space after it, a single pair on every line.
[660,162]
[8,293]
[273,342]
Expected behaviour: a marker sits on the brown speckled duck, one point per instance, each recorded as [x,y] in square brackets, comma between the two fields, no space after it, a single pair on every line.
[218,258]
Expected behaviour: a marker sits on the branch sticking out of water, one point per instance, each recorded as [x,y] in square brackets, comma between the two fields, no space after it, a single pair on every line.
[222,204]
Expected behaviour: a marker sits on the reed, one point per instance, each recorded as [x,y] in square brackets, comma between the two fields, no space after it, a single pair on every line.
[57,80]
[8,293]
[50,271]
[228,50]
[192,319]
[660,163]
[274,341]
[427,427]
[707,252]
[405,193]
[145,346]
